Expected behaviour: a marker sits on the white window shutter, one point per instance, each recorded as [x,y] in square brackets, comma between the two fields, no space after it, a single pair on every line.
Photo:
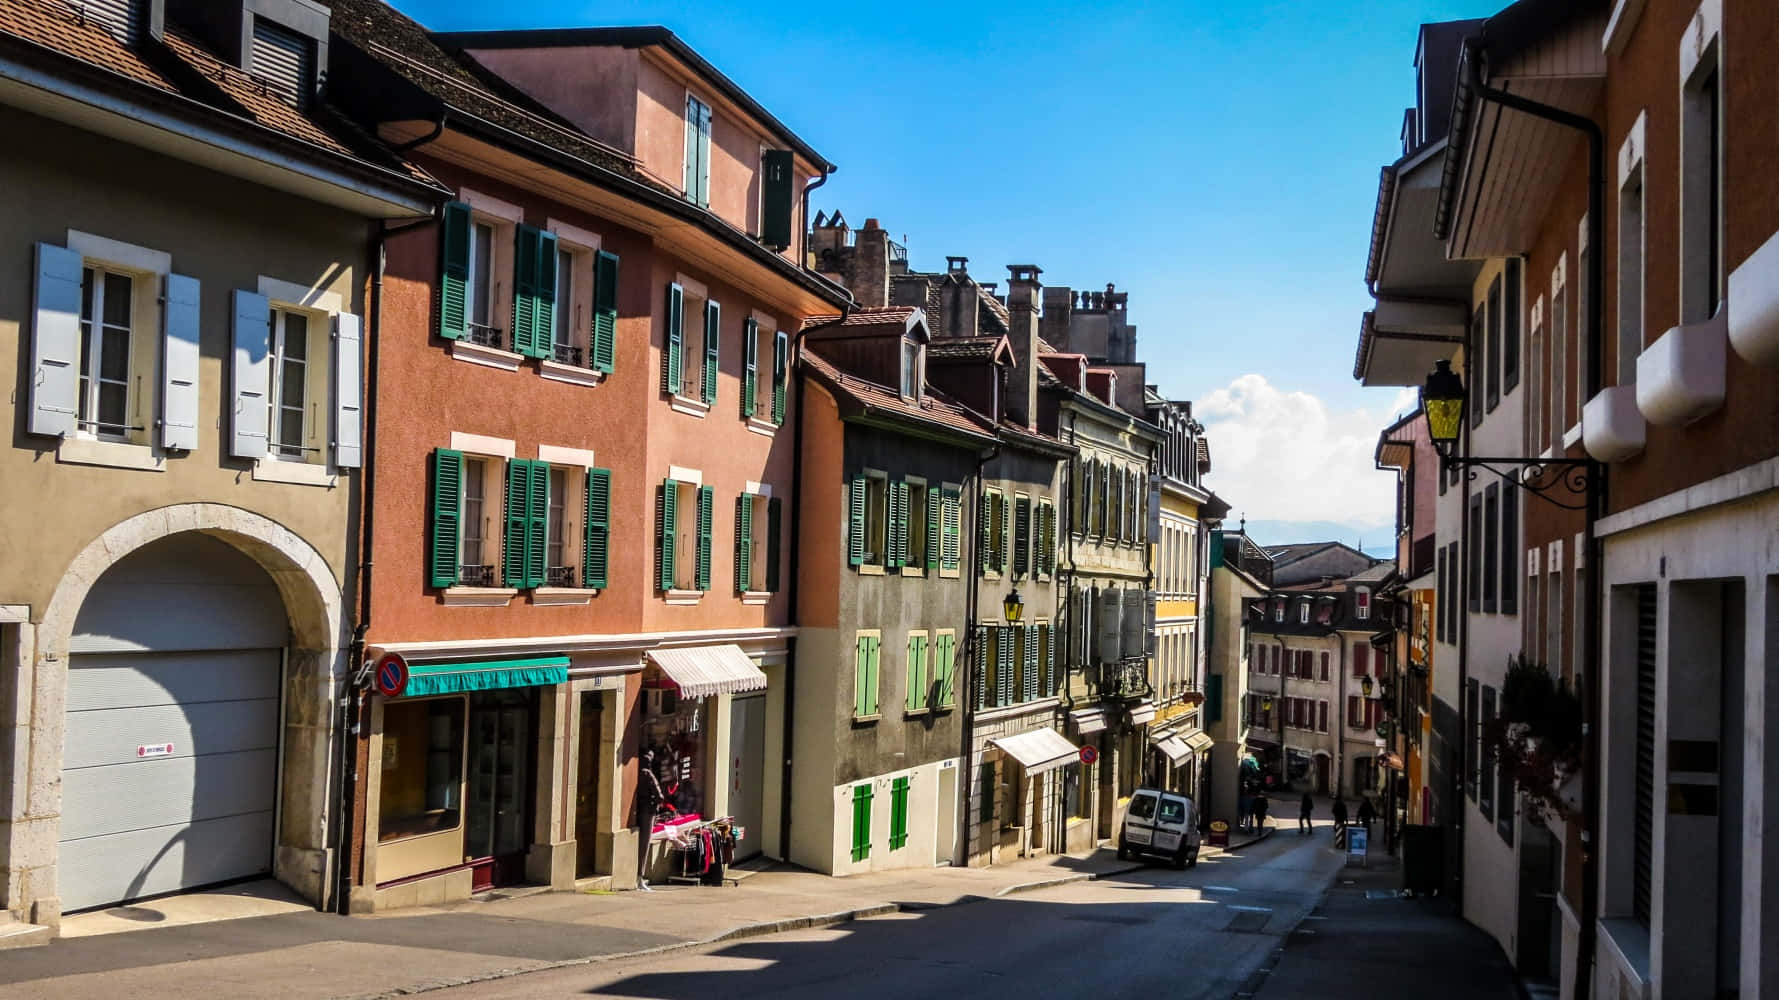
[1111,624]
[179,364]
[348,388]
[55,342]
[252,367]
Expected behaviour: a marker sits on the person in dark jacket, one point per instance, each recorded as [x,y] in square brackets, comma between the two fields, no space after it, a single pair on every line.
[1366,816]
[1260,805]
[1303,815]
[1340,811]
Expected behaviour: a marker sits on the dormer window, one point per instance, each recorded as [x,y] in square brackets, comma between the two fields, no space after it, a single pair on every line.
[911,370]
[1303,612]
[697,152]
[284,60]
[122,18]
[1363,599]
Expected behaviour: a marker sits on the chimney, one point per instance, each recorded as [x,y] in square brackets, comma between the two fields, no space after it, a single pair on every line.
[1023,292]
[962,314]
[1059,307]
[870,266]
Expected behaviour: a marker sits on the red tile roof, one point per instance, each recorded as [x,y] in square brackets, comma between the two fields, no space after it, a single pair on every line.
[874,316]
[934,408]
[61,27]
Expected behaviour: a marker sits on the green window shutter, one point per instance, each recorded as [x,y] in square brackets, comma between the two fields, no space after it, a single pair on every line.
[934,516]
[596,542]
[537,525]
[954,515]
[855,522]
[898,544]
[858,676]
[512,549]
[874,651]
[781,365]
[447,515]
[1022,535]
[454,274]
[544,296]
[750,365]
[525,291]
[772,535]
[1004,664]
[898,813]
[670,348]
[1006,530]
[1031,663]
[744,533]
[917,671]
[1049,660]
[778,194]
[986,810]
[604,353]
[984,663]
[861,821]
[1049,537]
[666,532]
[713,339]
[707,498]
[946,669]
[985,543]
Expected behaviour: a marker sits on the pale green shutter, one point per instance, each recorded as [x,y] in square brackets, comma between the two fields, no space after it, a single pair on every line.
[1004,664]
[454,273]
[859,673]
[713,339]
[935,515]
[772,509]
[897,542]
[781,366]
[517,503]
[750,357]
[706,511]
[670,349]
[525,291]
[744,534]
[874,651]
[953,529]
[855,521]
[1001,536]
[917,671]
[604,348]
[1031,662]
[596,541]
[946,664]
[1022,535]
[984,537]
[666,533]
[537,525]
[544,296]
[447,515]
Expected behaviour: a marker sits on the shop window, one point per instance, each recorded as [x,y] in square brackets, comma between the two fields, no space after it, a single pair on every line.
[422,768]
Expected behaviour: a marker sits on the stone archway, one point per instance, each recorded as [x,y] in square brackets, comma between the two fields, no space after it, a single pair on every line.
[313,601]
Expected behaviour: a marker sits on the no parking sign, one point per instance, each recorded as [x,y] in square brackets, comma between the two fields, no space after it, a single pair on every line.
[392,675]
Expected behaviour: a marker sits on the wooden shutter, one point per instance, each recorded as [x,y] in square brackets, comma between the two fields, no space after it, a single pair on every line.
[179,366]
[537,524]
[915,696]
[777,198]
[666,532]
[596,535]
[706,511]
[55,342]
[935,515]
[945,667]
[855,522]
[772,536]
[283,59]
[525,332]
[252,373]
[1002,536]
[713,339]
[744,534]
[1510,314]
[952,501]
[1361,659]
[1510,552]
[543,295]
[750,364]
[898,526]
[781,363]
[983,537]
[1022,535]
[1031,662]
[861,821]
[1004,664]
[898,813]
[454,271]
[516,502]
[447,516]
[348,388]
[604,347]
[670,349]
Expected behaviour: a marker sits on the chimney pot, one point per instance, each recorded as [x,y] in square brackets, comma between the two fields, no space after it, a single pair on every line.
[872,224]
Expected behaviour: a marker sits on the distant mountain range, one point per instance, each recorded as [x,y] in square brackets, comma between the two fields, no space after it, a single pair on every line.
[1378,543]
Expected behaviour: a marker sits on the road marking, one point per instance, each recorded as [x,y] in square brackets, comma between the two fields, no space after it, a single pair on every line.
[1249,909]
[1314,917]
[1220,888]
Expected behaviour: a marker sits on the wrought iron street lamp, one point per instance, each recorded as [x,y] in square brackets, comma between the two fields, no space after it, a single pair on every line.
[1549,479]
[1365,685]
[1013,607]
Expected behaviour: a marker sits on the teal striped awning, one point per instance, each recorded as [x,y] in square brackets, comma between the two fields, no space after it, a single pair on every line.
[484,675]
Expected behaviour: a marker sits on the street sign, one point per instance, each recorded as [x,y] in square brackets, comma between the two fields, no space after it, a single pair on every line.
[1356,843]
[392,675]
[1219,833]
[154,750]
[1089,754]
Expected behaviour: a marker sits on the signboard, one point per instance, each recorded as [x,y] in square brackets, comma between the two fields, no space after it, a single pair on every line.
[1219,833]
[1090,754]
[1356,843]
[155,750]
[392,675]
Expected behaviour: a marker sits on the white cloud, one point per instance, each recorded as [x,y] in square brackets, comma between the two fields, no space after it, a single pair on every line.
[1280,455]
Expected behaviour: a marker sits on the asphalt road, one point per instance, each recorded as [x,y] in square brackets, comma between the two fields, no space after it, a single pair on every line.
[1155,933]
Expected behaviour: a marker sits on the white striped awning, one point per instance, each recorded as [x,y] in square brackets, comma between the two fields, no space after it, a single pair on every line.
[1038,750]
[701,671]
[1088,720]
[1142,712]
[1198,742]
[1175,748]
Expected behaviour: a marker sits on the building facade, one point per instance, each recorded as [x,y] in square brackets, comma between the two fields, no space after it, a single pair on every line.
[1179,547]
[1240,575]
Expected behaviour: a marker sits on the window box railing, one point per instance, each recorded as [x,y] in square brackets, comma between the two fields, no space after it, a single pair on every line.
[559,576]
[567,354]
[475,576]
[1125,680]
[486,336]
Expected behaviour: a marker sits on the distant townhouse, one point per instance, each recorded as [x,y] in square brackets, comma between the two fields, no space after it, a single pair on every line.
[188,224]
[584,462]
[1241,572]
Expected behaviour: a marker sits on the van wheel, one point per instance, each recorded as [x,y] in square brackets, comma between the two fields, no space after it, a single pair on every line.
[1192,859]
[1179,859]
[1123,851]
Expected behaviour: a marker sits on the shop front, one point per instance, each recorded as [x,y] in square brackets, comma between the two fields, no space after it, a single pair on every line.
[1038,806]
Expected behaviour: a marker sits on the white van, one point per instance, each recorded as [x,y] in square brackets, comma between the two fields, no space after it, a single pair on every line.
[1160,824]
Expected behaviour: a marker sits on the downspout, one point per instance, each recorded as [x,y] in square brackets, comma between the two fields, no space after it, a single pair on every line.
[973,568]
[1068,587]
[1340,724]
[803,237]
[794,390]
[1592,701]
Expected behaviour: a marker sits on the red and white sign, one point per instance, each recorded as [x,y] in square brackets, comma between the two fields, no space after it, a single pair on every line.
[155,750]
[1090,754]
[392,675]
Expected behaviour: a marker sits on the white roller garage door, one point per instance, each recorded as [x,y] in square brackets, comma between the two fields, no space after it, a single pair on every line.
[139,819]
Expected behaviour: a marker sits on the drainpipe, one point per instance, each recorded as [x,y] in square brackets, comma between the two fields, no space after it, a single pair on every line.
[1340,725]
[972,568]
[1592,701]
[803,237]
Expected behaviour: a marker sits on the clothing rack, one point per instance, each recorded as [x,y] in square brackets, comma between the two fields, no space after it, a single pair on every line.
[706,850]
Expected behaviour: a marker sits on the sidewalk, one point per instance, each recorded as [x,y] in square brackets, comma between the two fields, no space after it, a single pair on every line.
[310,954]
[1366,941]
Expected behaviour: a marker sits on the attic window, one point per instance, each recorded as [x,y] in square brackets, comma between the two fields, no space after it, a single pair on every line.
[911,369]
[284,61]
[122,18]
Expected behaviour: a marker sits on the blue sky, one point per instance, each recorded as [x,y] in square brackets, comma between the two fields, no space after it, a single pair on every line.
[1218,161]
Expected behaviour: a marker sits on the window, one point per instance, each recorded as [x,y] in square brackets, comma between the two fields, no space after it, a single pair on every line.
[1022,534]
[1492,353]
[1477,361]
[1582,262]
[422,770]
[1278,611]
[479,300]
[1490,542]
[1362,599]
[558,572]
[919,679]
[867,650]
[1473,738]
[475,562]
[1701,178]
[861,821]
[1485,796]
[1510,551]
[697,185]
[1510,322]
[290,384]
[564,337]
[683,535]
[1473,544]
[283,60]
[920,531]
[689,367]
[1324,666]
[911,369]
[1303,612]
[763,393]
[951,515]
[995,514]
[1558,338]
[107,305]
[1534,432]
[898,835]
[1441,593]
[868,519]
[756,543]
[1630,276]
[1322,713]
[1361,659]
[1553,620]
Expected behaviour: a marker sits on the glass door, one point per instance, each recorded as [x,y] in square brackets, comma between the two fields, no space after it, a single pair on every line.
[498,800]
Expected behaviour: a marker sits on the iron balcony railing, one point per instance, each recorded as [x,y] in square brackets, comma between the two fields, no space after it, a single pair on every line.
[486,336]
[567,354]
[559,576]
[475,576]
[1125,680]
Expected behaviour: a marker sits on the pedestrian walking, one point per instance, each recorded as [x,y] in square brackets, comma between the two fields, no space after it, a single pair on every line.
[1340,820]
[1303,815]
[1367,816]
[1260,805]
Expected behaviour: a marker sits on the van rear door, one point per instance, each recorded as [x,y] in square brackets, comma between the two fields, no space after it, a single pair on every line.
[1139,821]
